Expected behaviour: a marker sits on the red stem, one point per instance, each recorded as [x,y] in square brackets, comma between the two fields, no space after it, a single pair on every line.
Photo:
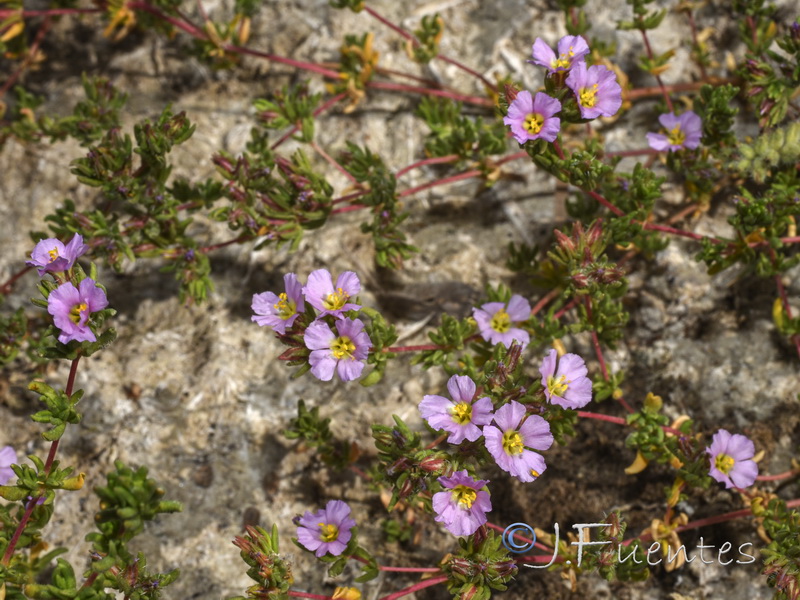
[658,78]
[333,162]
[401,87]
[430,184]
[6,287]
[551,295]
[415,42]
[411,569]
[307,595]
[31,53]
[436,160]
[416,587]
[779,476]
[12,544]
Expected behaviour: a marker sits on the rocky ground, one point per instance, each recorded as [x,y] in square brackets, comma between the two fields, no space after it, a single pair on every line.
[195,392]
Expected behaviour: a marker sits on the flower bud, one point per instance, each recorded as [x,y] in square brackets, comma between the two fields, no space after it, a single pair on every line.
[433,464]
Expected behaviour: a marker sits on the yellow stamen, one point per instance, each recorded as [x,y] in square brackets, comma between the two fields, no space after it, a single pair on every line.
[533,123]
[512,442]
[464,496]
[336,300]
[343,346]
[53,254]
[285,307]
[534,473]
[589,96]
[75,312]
[563,61]
[724,463]
[557,387]
[328,533]
[462,413]
[676,137]
[500,322]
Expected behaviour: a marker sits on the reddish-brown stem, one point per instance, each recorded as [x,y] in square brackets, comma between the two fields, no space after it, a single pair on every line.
[294,594]
[436,160]
[616,210]
[557,148]
[28,58]
[430,184]
[599,353]
[411,569]
[693,27]
[642,152]
[779,476]
[551,295]
[519,537]
[402,32]
[416,587]
[658,77]
[745,512]
[12,544]
[680,232]
[401,87]
[645,92]
[6,287]
[333,162]
[437,441]
[620,421]
[421,348]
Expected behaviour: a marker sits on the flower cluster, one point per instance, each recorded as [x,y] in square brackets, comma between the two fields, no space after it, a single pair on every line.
[596,91]
[512,435]
[343,352]
[70,306]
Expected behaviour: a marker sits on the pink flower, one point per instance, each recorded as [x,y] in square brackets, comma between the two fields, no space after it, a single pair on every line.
[71,308]
[329,300]
[344,353]
[564,380]
[326,531]
[462,506]
[531,118]
[571,49]
[461,416]
[596,90]
[496,319]
[8,457]
[279,312]
[512,441]
[684,131]
[731,459]
[52,256]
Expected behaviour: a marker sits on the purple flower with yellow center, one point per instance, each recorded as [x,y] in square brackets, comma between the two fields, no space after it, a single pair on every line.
[279,312]
[731,458]
[462,506]
[564,380]
[329,299]
[532,118]
[596,89]
[571,49]
[343,353]
[8,457]
[326,531]
[496,319]
[461,417]
[513,439]
[52,256]
[684,131]
[71,308]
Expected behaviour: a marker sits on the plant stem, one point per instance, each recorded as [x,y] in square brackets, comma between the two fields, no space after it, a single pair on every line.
[416,587]
[658,77]
[551,295]
[321,109]
[294,594]
[411,569]
[436,160]
[12,544]
[401,87]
